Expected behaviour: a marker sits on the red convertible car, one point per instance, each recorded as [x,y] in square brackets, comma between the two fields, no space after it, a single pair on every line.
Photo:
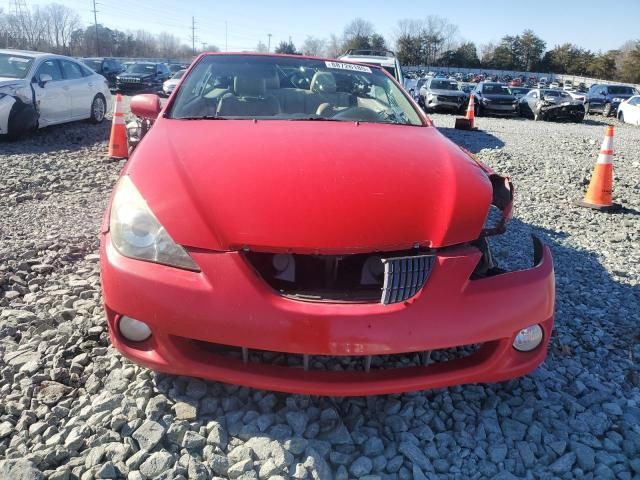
[298,224]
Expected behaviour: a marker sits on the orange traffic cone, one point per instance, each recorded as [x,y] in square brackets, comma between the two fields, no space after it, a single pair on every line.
[118,145]
[600,192]
[467,123]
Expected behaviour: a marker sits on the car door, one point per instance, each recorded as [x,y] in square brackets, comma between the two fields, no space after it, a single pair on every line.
[80,89]
[632,111]
[52,96]
[599,98]
[528,102]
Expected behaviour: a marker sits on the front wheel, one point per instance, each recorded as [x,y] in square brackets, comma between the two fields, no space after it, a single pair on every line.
[621,117]
[606,111]
[479,111]
[98,109]
[586,108]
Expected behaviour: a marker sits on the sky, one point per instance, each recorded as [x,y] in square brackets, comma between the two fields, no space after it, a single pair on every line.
[247,22]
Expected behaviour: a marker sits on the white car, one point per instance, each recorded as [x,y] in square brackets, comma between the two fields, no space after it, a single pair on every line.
[41,89]
[629,110]
[169,85]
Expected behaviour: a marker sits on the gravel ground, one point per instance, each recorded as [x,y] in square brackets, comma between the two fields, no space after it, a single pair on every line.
[73,408]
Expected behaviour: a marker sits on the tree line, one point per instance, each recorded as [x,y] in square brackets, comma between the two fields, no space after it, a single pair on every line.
[432,41]
[56,28]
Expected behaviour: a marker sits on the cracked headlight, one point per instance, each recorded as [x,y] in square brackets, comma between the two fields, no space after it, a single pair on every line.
[137,233]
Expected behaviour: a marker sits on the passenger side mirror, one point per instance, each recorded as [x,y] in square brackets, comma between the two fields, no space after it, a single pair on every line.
[43,78]
[146,106]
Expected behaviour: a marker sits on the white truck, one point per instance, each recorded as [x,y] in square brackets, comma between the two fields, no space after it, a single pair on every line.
[382,58]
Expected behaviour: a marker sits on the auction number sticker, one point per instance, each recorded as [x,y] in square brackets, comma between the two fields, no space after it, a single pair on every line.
[348,66]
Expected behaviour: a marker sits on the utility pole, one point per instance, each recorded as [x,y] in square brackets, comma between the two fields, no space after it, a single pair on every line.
[226,37]
[269,47]
[204,46]
[193,35]
[95,22]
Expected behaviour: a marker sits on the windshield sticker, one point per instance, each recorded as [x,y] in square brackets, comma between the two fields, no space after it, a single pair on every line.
[348,66]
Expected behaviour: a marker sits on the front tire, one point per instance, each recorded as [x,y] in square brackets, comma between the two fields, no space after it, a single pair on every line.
[98,109]
[621,117]
[606,110]
[586,108]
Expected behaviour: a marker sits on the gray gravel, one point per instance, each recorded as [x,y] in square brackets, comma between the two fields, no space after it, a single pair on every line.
[72,408]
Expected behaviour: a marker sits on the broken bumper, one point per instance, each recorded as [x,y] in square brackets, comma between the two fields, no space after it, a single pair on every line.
[228,304]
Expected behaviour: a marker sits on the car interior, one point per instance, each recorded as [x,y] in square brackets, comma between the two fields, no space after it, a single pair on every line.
[292,93]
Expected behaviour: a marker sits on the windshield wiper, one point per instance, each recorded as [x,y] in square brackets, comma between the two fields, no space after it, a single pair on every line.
[201,117]
[316,119]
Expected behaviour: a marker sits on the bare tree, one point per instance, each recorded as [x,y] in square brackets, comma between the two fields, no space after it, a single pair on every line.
[62,21]
[261,47]
[334,47]
[313,46]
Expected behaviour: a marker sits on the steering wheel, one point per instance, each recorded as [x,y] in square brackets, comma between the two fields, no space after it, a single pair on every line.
[299,81]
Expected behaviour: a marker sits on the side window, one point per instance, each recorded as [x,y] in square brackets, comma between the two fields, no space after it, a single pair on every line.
[534,94]
[50,67]
[71,70]
[635,101]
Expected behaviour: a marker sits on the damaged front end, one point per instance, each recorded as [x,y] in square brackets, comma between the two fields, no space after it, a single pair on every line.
[17,111]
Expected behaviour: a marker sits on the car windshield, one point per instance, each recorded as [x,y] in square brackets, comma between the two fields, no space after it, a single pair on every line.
[421,82]
[493,88]
[620,90]
[444,85]
[14,66]
[93,64]
[141,68]
[178,75]
[290,88]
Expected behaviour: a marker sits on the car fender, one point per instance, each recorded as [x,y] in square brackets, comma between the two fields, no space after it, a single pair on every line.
[6,104]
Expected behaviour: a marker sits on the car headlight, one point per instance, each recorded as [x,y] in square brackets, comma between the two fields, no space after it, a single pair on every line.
[617,100]
[136,232]
[486,100]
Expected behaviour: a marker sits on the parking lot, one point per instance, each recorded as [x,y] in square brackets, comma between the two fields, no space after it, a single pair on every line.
[72,403]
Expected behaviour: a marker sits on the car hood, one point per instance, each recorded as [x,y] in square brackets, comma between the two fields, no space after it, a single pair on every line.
[6,81]
[135,75]
[309,186]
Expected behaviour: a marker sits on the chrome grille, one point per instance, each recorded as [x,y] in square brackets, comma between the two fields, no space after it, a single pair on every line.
[404,277]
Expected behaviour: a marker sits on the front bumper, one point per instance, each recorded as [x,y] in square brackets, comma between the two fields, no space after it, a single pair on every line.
[502,109]
[436,103]
[228,304]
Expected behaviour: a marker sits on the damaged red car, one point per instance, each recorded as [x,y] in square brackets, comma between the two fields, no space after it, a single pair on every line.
[297,224]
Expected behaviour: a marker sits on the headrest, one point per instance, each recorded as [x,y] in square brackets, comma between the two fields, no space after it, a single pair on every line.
[249,86]
[273,81]
[323,82]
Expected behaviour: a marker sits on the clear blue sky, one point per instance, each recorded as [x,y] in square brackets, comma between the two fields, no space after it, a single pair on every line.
[249,21]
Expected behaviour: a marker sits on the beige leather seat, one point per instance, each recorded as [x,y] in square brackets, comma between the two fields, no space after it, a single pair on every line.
[323,89]
[291,99]
[249,98]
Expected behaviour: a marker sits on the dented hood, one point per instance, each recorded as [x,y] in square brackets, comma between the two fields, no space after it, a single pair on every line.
[309,186]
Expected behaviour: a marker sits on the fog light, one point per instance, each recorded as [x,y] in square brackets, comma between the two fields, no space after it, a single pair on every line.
[528,338]
[133,329]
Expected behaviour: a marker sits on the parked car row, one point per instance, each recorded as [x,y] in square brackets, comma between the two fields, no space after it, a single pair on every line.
[540,103]
[136,76]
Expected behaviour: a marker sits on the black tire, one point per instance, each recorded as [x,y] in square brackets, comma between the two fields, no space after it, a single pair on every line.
[621,117]
[606,110]
[22,119]
[98,109]
[586,108]
[479,111]
[579,119]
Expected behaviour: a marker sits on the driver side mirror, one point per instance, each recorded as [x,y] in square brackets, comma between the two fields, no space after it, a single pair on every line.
[146,106]
[43,78]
